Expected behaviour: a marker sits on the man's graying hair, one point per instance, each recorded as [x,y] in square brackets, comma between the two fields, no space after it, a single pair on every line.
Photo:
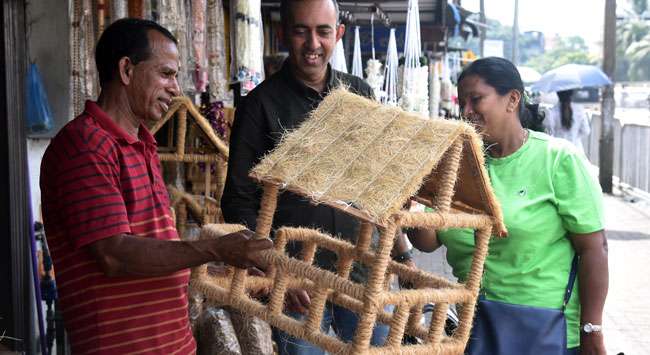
[127,37]
[285,11]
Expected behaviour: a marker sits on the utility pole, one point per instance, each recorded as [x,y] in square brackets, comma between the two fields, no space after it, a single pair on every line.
[515,35]
[606,146]
[483,30]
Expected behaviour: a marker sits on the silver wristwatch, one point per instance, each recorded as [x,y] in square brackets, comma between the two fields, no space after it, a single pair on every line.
[591,328]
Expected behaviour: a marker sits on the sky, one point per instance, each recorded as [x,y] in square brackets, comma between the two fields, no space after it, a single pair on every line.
[583,18]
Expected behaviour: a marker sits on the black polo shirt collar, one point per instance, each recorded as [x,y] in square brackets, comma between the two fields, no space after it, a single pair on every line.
[287,74]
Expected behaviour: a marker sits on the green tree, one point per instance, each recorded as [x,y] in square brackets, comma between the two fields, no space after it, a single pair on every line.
[496,31]
[633,45]
[571,50]
[568,50]
[640,6]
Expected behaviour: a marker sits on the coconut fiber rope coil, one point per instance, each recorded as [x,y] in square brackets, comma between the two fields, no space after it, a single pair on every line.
[450,174]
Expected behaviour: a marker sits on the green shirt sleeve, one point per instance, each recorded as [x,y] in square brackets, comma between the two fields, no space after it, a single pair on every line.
[578,196]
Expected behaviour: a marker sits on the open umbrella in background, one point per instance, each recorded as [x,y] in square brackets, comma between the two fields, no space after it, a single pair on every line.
[528,74]
[571,76]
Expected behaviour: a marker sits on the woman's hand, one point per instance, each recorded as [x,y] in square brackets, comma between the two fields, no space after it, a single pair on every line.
[425,240]
[593,276]
[592,344]
[297,300]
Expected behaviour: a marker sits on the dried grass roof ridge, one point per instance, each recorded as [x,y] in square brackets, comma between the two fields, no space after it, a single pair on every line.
[354,153]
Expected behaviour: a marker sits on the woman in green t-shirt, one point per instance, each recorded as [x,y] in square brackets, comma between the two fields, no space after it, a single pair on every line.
[552,208]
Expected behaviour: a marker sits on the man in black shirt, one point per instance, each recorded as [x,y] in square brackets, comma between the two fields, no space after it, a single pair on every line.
[282,102]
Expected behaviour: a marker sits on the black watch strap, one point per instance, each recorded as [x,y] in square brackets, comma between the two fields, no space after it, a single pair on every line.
[405,256]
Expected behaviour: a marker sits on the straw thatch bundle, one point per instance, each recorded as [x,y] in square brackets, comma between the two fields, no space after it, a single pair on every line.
[356,153]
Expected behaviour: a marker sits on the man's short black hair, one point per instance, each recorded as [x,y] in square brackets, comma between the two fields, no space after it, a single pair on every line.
[127,37]
[285,11]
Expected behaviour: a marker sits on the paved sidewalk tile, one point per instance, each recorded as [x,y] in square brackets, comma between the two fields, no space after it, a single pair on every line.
[627,310]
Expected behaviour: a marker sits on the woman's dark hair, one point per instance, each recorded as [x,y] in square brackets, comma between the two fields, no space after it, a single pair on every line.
[504,77]
[127,37]
[565,108]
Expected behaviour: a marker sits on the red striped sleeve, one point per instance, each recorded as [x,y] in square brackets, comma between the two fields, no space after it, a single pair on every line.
[91,204]
[96,182]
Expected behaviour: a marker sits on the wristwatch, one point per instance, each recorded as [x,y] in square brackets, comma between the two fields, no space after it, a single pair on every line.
[591,328]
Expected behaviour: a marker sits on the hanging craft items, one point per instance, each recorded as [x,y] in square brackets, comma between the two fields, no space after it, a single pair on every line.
[434,95]
[357,66]
[415,85]
[248,46]
[338,61]
[172,17]
[83,81]
[390,72]
[374,76]
[136,8]
[217,72]
[101,16]
[446,87]
[118,9]
[149,10]
[198,45]
[214,113]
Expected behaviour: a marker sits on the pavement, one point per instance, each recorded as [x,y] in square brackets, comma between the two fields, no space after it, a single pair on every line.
[627,309]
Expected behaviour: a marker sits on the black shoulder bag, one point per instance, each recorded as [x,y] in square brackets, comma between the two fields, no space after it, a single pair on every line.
[510,329]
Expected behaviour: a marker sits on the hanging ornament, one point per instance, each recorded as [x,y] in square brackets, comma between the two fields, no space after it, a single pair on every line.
[148,10]
[136,8]
[118,9]
[214,113]
[217,71]
[374,76]
[173,17]
[337,61]
[372,34]
[249,44]
[101,16]
[389,96]
[415,83]
[198,45]
[83,81]
[446,85]
[434,95]
[357,66]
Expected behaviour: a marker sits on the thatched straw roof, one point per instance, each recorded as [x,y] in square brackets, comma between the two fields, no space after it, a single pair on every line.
[368,159]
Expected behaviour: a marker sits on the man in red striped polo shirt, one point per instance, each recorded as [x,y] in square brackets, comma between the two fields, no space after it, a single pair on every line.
[122,272]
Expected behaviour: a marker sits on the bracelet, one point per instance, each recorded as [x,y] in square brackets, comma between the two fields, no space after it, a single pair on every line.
[405,256]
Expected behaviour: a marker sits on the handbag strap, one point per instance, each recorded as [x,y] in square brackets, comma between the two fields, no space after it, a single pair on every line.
[572,280]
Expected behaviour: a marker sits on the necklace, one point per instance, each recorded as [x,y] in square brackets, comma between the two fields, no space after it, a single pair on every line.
[498,153]
[525,138]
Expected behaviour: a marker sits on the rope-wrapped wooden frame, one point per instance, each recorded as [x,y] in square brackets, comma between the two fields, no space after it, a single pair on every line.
[367,160]
[367,300]
[204,182]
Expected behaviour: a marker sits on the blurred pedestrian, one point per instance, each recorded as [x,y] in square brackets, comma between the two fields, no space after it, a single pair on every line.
[568,120]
